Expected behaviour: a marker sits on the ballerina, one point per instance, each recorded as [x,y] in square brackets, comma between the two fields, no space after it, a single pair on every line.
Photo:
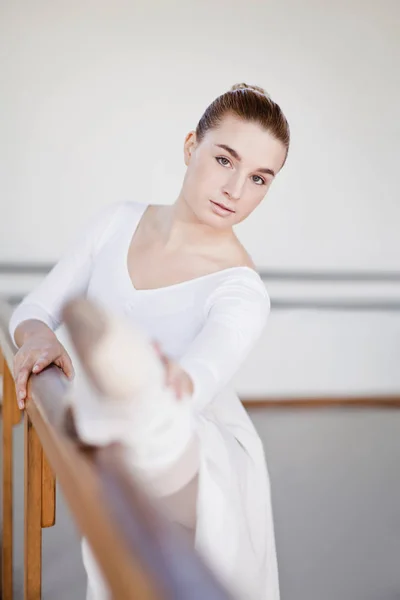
[180,275]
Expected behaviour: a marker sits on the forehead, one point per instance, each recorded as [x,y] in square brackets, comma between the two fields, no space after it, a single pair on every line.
[256,146]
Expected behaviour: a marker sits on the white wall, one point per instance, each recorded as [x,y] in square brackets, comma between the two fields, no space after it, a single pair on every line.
[310,353]
[96,98]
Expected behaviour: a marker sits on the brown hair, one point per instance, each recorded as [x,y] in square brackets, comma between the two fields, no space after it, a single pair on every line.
[250,103]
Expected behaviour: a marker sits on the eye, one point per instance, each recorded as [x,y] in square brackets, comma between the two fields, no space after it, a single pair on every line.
[221,158]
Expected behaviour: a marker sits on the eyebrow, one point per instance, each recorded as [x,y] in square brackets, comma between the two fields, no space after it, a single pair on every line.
[239,158]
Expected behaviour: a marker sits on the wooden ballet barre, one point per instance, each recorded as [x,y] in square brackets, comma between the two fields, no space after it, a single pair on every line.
[149,559]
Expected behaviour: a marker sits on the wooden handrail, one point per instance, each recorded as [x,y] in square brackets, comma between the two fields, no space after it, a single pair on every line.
[109,508]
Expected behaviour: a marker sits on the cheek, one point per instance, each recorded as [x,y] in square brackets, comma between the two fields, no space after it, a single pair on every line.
[251,201]
[202,177]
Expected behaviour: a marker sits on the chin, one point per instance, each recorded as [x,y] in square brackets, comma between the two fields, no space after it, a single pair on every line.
[216,222]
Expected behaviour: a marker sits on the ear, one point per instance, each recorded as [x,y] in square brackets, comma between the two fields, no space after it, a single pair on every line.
[189,146]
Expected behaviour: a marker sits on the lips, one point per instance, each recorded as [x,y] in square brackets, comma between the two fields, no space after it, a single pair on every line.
[223,206]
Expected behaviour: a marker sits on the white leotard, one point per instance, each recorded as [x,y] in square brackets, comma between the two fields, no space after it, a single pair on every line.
[208,324]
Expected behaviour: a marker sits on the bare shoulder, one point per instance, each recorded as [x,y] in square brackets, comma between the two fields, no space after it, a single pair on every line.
[240,257]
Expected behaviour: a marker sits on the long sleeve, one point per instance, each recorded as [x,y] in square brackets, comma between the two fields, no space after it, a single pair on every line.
[69,277]
[236,314]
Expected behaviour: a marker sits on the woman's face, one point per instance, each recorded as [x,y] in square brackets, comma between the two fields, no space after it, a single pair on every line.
[230,171]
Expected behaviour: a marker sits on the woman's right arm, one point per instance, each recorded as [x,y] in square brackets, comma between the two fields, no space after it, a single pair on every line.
[34,321]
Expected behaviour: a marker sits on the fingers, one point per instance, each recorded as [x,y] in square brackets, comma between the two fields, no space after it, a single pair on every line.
[170,373]
[23,367]
[22,373]
[175,376]
[40,364]
[37,353]
[164,359]
[157,347]
[21,381]
[65,363]
[175,380]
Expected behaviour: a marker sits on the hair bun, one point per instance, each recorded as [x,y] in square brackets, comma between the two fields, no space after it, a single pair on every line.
[244,86]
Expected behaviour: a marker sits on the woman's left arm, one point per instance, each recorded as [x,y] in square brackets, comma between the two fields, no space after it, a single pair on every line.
[236,314]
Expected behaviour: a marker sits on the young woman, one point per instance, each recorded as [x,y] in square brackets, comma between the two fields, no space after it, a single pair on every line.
[180,273]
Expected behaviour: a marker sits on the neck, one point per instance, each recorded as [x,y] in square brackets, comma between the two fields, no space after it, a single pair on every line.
[179,226]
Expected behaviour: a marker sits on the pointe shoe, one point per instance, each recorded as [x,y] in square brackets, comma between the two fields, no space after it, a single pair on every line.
[117,357]
[120,392]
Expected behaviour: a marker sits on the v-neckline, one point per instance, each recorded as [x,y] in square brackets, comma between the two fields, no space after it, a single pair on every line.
[172,285]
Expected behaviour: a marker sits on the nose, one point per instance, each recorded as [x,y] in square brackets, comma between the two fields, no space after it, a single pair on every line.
[233,188]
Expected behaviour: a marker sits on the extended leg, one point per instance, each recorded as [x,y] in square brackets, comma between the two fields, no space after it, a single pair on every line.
[128,402]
